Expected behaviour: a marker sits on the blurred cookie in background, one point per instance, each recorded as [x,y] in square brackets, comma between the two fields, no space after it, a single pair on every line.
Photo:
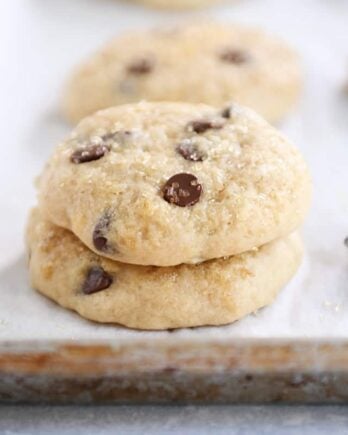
[205,62]
[177,4]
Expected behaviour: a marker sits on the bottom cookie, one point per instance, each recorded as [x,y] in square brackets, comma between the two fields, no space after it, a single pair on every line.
[147,297]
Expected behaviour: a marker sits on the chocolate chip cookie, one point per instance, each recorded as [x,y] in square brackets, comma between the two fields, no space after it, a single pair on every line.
[178,4]
[146,297]
[199,63]
[169,183]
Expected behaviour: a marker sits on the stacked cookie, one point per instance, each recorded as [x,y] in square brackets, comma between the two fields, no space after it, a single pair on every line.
[168,215]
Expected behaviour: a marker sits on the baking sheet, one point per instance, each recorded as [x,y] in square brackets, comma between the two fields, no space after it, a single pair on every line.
[41,41]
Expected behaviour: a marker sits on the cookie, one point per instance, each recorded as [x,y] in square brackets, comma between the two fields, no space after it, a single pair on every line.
[198,63]
[146,297]
[169,183]
[177,4]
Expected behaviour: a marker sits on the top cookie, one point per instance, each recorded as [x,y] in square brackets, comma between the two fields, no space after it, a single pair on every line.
[170,183]
[198,63]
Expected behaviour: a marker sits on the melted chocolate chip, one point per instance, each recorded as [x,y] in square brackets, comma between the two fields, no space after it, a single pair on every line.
[89,153]
[96,280]
[99,240]
[182,190]
[227,112]
[202,125]
[189,151]
[141,66]
[235,56]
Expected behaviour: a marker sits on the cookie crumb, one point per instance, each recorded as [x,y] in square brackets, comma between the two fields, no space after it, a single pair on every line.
[332,306]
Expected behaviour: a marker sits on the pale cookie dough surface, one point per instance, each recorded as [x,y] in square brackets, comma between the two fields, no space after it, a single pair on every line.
[198,63]
[250,185]
[177,4]
[146,297]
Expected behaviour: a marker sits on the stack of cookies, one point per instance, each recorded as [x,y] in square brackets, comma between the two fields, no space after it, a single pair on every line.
[167,215]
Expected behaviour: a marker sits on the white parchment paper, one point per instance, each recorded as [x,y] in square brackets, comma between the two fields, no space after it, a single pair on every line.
[42,42]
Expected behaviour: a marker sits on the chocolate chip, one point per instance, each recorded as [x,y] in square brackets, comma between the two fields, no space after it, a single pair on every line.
[182,190]
[89,153]
[96,280]
[235,56]
[99,240]
[227,112]
[141,66]
[190,151]
[202,125]
[346,241]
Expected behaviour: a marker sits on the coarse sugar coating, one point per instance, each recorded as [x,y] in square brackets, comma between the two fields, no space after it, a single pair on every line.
[170,183]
